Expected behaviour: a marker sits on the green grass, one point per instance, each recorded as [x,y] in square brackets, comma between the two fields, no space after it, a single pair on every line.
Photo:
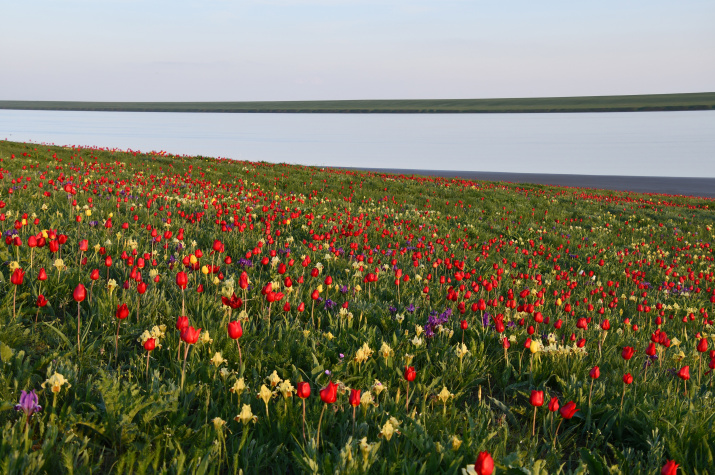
[631,103]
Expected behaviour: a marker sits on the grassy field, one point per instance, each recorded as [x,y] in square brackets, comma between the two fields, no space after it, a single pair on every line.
[176,314]
[654,102]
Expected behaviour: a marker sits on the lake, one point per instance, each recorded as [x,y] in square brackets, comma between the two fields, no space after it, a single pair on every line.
[675,144]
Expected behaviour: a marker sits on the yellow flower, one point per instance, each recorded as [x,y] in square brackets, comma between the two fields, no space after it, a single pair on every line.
[274,379]
[367,400]
[418,330]
[378,387]
[535,346]
[386,351]
[461,350]
[218,422]
[286,389]
[363,353]
[387,431]
[265,394]
[204,270]
[56,381]
[238,387]
[456,443]
[246,415]
[111,285]
[444,395]
[206,338]
[217,360]
[14,265]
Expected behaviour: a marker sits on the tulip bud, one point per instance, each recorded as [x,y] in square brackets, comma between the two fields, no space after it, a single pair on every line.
[150,344]
[303,390]
[235,330]
[79,293]
[537,398]
[484,464]
[354,397]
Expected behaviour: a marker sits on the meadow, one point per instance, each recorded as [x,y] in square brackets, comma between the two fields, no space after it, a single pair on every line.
[177,314]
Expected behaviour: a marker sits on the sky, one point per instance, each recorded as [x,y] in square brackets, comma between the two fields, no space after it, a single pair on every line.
[253,50]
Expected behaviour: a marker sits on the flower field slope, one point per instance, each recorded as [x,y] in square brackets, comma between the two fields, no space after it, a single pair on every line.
[177,314]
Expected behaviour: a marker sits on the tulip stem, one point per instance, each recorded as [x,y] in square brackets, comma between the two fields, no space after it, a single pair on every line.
[147,364]
[590,392]
[556,434]
[622,396]
[14,294]
[183,369]
[240,358]
[116,345]
[79,322]
[320,421]
[533,428]
[407,402]
[303,420]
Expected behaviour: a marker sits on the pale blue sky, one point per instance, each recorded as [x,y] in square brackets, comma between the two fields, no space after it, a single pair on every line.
[352,49]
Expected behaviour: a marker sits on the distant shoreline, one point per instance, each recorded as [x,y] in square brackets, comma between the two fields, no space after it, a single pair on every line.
[686,186]
[629,103]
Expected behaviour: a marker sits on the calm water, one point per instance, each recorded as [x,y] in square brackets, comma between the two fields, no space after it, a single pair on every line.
[679,144]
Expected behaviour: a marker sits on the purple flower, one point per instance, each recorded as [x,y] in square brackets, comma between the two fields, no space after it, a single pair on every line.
[28,404]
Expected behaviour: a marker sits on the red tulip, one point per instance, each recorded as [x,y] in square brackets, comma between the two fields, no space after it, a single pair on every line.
[554,404]
[79,294]
[627,353]
[627,378]
[303,390]
[18,276]
[569,409]
[329,394]
[182,280]
[684,373]
[235,330]
[703,345]
[464,325]
[537,398]
[182,323]
[94,275]
[354,397]
[410,373]
[190,335]
[122,311]
[595,372]
[605,325]
[150,344]
[484,464]
[42,275]
[41,300]
[670,468]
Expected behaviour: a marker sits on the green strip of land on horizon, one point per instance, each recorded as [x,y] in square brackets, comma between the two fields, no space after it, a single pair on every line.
[633,103]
